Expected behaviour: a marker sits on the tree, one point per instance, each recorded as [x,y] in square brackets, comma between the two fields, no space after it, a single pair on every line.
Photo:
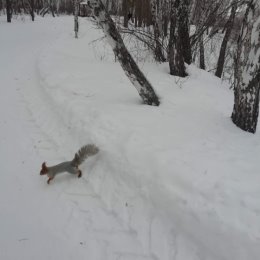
[247,71]
[176,59]
[128,64]
[158,50]
[76,20]
[207,15]
[125,9]
[222,53]
[201,23]
[9,10]
[31,6]
[185,31]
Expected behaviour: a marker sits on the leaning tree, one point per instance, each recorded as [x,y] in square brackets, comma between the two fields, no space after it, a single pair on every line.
[128,64]
[247,70]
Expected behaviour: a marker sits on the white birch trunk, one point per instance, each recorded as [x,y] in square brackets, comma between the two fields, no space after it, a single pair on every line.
[247,71]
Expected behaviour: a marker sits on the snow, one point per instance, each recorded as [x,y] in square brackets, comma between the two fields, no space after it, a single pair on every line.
[178,181]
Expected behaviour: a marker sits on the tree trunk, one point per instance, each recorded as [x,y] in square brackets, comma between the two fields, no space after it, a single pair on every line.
[128,64]
[202,54]
[158,51]
[9,10]
[38,7]
[176,60]
[222,54]
[76,18]
[185,30]
[32,9]
[246,106]
[139,13]
[247,71]
[125,7]
[52,8]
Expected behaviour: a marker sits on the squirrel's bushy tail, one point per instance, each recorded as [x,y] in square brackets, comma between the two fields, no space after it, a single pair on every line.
[83,153]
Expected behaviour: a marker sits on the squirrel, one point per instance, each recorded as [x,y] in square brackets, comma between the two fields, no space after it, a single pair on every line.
[70,166]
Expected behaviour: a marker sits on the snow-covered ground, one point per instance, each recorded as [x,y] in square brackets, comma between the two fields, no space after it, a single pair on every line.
[178,181]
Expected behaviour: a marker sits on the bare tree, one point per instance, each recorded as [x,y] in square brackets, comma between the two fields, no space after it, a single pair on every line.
[206,14]
[9,10]
[31,6]
[176,59]
[229,27]
[185,30]
[247,71]
[125,9]
[158,50]
[128,64]
[76,20]
[202,10]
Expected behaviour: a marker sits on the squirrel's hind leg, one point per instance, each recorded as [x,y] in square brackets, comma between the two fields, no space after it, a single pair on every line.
[79,173]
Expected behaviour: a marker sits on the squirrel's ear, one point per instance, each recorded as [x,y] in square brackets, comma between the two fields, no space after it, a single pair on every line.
[43,165]
[44,169]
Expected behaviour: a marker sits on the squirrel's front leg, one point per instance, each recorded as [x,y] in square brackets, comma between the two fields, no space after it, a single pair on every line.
[50,178]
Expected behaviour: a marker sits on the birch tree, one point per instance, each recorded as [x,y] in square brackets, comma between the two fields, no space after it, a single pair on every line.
[128,64]
[247,71]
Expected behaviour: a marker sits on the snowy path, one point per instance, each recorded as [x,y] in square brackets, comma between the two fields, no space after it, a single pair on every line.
[40,221]
[162,187]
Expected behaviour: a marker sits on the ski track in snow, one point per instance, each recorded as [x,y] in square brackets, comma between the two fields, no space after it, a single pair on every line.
[121,208]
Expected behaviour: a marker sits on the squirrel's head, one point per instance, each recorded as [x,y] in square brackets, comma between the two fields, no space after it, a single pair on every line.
[44,169]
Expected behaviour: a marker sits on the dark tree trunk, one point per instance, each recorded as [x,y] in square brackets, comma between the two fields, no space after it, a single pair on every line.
[202,54]
[76,19]
[125,7]
[128,64]
[247,71]
[222,54]
[52,8]
[38,6]
[32,9]
[9,10]
[185,30]
[176,60]
[165,25]
[139,13]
